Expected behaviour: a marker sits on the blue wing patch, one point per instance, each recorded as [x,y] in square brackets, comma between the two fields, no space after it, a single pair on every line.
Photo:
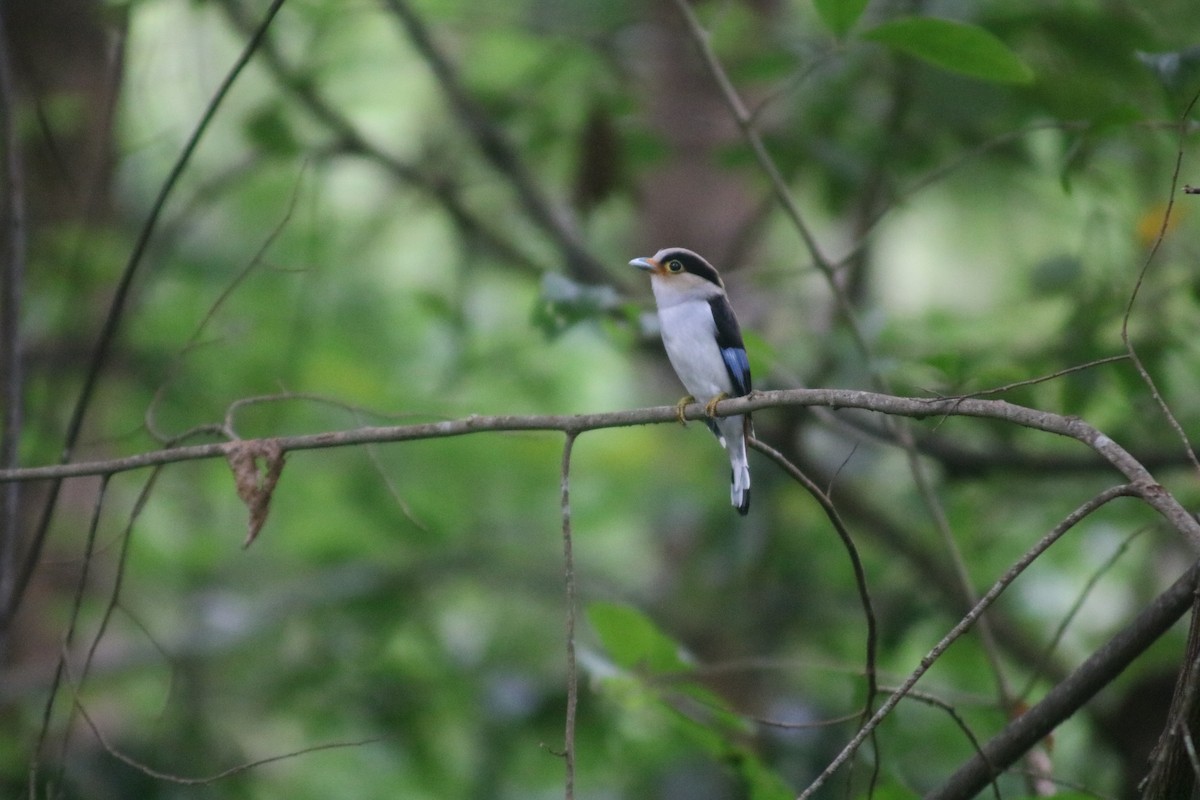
[738,364]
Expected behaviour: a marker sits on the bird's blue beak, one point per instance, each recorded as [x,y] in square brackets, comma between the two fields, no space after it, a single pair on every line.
[648,264]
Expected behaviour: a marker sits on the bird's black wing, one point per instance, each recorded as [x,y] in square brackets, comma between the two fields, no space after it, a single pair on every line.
[729,340]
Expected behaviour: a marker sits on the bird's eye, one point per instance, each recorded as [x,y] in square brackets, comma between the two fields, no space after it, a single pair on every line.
[675,265]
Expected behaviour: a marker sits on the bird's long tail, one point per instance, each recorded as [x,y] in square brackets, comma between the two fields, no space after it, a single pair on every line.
[739,477]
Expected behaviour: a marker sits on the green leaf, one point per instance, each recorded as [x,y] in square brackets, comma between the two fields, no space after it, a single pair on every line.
[840,15]
[763,782]
[954,46]
[633,640]
[1058,274]
[268,129]
[1178,72]
[564,302]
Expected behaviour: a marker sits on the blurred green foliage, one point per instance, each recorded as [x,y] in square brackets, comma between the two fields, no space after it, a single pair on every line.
[342,250]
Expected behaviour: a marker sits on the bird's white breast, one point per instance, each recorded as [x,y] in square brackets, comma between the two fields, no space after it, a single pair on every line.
[689,335]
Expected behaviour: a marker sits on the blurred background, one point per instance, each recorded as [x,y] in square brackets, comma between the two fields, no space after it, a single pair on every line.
[415,210]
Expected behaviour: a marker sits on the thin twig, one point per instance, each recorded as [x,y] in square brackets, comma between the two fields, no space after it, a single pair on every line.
[794,726]
[193,340]
[1008,387]
[12,279]
[1190,747]
[1169,777]
[110,608]
[229,429]
[68,639]
[569,580]
[963,626]
[1141,278]
[937,702]
[945,451]
[209,779]
[1084,593]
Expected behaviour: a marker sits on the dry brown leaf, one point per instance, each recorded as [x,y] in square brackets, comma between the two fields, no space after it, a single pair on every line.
[255,485]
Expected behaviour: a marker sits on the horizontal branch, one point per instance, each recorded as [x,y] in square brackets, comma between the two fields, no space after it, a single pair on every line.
[916,407]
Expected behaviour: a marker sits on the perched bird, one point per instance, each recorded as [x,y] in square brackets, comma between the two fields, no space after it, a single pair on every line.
[704,343]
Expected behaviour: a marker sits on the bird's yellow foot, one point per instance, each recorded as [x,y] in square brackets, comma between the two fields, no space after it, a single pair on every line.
[680,406]
[710,407]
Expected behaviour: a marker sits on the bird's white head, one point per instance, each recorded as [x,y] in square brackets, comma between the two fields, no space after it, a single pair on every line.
[678,274]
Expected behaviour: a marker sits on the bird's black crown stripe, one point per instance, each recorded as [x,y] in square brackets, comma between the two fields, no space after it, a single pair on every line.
[692,263]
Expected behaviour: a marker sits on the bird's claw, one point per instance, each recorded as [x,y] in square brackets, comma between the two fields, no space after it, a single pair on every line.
[683,403]
[710,407]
